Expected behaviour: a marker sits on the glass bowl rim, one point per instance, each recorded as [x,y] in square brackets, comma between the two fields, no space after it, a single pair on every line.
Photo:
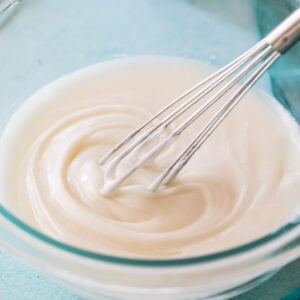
[148,262]
[144,262]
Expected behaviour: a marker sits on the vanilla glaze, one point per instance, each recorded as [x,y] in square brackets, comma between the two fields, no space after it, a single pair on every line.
[241,185]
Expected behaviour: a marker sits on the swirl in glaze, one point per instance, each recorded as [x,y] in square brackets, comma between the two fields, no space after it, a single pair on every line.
[247,173]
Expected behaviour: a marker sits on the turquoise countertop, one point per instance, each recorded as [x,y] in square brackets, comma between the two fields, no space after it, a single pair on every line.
[46,39]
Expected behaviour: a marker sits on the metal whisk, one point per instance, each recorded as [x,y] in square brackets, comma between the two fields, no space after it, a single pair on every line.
[253,63]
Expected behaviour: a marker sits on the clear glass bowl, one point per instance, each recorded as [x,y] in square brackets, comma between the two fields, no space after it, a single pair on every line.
[46,39]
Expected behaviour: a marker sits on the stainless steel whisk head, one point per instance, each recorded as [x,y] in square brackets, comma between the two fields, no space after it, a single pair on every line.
[251,65]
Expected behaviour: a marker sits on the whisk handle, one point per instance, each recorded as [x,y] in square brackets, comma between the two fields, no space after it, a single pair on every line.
[286,34]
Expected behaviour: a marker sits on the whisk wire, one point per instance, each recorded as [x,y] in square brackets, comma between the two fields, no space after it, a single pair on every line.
[168,175]
[216,78]
[148,134]
[253,62]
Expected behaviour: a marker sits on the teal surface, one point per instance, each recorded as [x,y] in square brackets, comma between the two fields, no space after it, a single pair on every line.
[47,39]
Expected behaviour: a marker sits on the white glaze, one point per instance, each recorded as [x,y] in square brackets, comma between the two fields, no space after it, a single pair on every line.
[242,184]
